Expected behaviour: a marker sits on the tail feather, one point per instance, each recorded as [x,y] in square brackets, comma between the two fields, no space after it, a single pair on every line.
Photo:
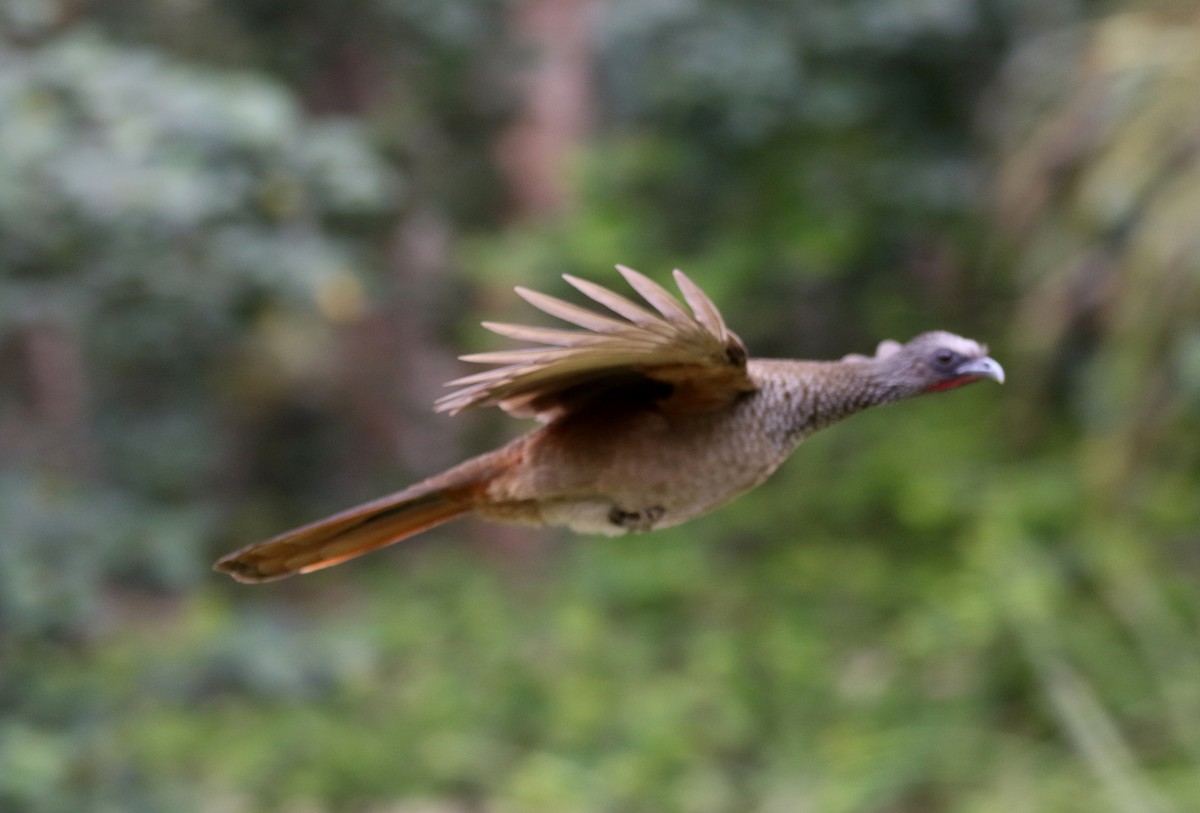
[343,536]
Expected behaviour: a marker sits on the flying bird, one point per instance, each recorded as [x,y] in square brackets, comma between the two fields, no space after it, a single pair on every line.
[650,416]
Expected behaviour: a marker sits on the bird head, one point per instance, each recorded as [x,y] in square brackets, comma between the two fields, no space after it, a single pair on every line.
[936,361]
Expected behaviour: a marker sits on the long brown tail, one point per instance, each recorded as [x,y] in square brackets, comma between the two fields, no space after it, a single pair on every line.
[343,536]
[364,528]
[346,535]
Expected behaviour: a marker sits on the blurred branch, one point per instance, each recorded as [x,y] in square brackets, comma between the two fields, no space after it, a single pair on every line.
[1097,189]
[1095,735]
[1030,589]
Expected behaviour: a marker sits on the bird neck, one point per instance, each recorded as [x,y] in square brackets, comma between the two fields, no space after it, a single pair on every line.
[815,394]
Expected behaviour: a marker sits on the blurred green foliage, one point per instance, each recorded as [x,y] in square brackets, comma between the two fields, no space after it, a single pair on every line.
[153,219]
[223,225]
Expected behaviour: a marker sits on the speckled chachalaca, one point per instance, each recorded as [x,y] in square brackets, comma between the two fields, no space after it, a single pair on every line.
[649,418]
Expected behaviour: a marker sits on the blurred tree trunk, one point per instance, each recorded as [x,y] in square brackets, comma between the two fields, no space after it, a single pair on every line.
[558,107]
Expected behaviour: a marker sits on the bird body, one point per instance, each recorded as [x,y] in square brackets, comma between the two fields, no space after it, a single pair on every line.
[612,470]
[648,421]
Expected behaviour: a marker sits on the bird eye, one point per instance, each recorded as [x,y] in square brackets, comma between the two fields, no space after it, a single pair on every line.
[944,356]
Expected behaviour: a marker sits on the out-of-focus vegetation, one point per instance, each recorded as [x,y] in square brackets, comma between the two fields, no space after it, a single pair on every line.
[240,244]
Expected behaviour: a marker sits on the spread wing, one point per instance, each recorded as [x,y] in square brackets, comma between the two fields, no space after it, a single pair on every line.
[688,361]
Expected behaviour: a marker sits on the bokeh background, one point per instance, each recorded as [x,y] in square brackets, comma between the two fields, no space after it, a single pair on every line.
[241,242]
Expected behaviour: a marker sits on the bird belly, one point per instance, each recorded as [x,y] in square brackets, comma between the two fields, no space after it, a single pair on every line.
[588,516]
[618,511]
[637,476]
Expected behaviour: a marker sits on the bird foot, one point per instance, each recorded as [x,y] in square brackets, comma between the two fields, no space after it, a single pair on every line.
[636,521]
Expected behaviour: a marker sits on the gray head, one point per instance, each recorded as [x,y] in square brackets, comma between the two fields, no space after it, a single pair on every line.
[935,361]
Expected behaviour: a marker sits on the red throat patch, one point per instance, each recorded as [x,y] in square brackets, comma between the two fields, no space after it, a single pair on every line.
[953,383]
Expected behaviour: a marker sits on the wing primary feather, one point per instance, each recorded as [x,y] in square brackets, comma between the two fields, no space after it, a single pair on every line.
[486,376]
[614,302]
[570,313]
[545,335]
[456,402]
[705,309]
[523,355]
[655,294]
[621,345]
